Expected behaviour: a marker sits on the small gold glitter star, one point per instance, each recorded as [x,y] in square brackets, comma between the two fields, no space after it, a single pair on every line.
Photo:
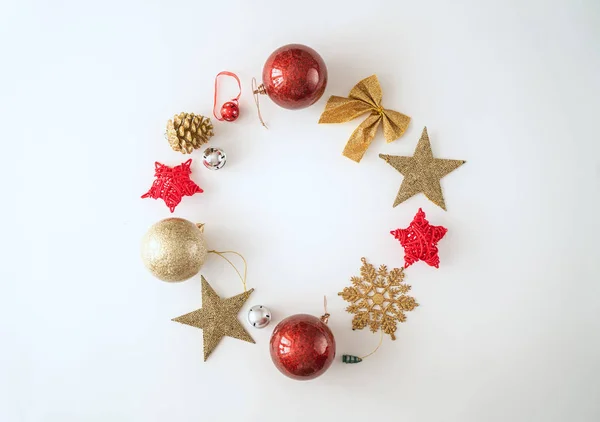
[422,172]
[217,318]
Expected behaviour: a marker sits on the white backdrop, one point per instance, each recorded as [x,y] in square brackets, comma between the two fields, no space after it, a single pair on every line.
[508,327]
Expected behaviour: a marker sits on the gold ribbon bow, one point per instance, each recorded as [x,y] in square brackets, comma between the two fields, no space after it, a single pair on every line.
[364,97]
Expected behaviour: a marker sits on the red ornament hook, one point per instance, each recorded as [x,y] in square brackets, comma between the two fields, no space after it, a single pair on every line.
[230,110]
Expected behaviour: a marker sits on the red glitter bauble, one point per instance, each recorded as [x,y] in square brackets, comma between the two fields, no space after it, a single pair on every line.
[294,76]
[230,111]
[302,347]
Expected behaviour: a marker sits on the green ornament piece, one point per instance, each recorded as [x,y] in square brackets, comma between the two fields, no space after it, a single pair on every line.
[351,359]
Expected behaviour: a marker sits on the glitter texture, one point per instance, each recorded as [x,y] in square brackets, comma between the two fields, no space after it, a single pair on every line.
[365,97]
[217,318]
[302,347]
[174,249]
[294,76]
[377,299]
[422,172]
[188,131]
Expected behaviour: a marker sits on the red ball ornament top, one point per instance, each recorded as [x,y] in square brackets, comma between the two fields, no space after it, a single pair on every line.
[302,347]
[294,76]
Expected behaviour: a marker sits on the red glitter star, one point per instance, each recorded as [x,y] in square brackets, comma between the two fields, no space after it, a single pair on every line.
[172,184]
[420,240]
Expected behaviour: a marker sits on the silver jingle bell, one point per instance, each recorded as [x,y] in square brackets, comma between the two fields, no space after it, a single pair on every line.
[214,158]
[259,316]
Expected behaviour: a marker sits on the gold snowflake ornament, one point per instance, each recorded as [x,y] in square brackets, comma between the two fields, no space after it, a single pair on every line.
[377,299]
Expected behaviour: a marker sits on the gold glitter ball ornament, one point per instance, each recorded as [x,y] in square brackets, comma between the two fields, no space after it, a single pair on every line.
[174,249]
[188,131]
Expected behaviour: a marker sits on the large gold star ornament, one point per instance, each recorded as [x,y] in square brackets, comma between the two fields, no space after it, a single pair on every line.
[217,318]
[422,172]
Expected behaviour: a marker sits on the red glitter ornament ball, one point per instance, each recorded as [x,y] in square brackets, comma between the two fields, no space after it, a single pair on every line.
[302,347]
[294,76]
[230,111]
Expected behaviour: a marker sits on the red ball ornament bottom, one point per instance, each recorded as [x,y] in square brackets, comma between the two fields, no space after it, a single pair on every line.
[302,347]
[230,111]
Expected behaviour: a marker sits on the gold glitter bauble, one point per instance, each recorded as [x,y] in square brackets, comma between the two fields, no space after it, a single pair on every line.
[174,249]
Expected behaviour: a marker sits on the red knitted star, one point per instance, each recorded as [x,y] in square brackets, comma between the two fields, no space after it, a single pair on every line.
[172,184]
[420,240]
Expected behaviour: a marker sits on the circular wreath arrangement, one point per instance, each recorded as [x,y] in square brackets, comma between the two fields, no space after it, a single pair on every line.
[302,346]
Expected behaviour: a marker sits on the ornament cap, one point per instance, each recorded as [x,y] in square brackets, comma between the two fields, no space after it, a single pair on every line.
[260,89]
[326,315]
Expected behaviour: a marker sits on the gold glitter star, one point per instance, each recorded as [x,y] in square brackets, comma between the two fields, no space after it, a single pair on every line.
[422,172]
[217,318]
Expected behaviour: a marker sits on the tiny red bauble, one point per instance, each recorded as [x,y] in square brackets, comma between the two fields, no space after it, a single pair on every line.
[302,347]
[230,111]
[294,76]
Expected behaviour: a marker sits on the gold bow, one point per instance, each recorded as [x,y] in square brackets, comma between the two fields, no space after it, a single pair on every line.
[365,96]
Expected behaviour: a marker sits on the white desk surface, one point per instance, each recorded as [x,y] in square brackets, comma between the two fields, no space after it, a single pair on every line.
[508,328]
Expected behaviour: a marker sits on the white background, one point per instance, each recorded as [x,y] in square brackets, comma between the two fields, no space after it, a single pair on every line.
[508,327]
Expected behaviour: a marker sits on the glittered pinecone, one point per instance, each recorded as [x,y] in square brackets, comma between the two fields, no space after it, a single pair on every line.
[187,132]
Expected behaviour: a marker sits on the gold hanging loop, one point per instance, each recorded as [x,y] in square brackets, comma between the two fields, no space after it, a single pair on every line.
[256,90]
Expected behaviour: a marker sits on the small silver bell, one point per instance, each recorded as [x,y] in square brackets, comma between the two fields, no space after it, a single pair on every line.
[259,316]
[214,158]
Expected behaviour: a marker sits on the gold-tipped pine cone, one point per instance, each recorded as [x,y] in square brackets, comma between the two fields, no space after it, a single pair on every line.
[188,131]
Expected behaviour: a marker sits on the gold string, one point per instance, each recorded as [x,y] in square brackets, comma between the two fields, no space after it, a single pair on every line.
[220,253]
[377,348]
[255,91]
